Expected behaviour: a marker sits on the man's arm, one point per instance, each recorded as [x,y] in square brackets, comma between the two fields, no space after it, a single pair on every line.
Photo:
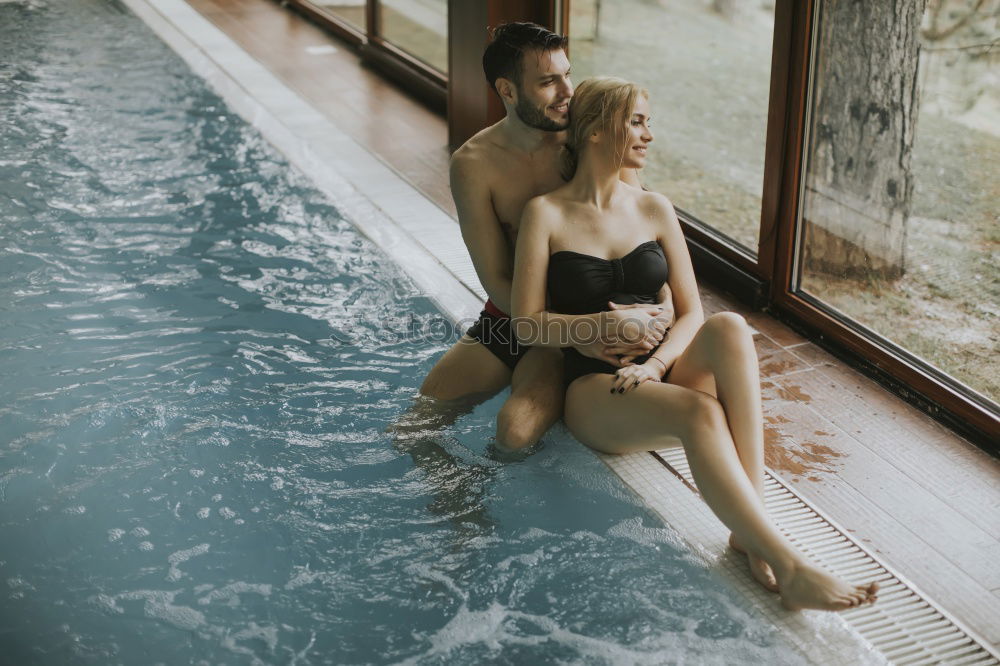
[481,228]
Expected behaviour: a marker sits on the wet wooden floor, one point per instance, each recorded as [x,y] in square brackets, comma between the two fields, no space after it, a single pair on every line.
[920,497]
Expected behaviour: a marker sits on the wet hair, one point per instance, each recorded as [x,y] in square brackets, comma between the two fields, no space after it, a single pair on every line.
[600,103]
[504,56]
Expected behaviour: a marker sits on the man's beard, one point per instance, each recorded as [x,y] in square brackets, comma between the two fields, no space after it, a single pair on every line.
[534,116]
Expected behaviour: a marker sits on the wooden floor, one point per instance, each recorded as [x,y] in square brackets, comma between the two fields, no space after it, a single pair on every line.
[923,499]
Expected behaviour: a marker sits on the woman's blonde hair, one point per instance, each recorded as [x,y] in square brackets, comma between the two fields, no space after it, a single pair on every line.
[600,103]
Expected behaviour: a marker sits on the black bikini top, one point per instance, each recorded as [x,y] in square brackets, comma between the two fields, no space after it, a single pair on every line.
[582,283]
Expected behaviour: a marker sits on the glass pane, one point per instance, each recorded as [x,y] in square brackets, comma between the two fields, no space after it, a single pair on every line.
[899,227]
[419,27]
[707,65]
[350,11]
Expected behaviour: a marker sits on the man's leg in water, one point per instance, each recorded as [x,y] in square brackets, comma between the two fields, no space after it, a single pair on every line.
[467,374]
[536,399]
[468,369]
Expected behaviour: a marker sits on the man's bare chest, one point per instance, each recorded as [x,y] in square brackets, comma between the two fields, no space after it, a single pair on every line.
[512,191]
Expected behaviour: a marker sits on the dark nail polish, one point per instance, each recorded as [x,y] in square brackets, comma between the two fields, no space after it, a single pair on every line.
[621,390]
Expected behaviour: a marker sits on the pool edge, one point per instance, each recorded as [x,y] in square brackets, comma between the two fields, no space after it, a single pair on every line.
[415,233]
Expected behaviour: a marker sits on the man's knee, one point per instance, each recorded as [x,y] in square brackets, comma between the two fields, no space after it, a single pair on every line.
[521,423]
[516,435]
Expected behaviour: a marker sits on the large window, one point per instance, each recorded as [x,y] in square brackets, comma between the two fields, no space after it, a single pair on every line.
[899,229]
[351,12]
[407,40]
[416,27]
[707,65]
[419,27]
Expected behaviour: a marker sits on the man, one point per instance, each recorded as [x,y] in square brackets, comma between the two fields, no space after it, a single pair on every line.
[493,175]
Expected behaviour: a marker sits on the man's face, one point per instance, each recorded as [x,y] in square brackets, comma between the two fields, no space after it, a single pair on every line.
[545,90]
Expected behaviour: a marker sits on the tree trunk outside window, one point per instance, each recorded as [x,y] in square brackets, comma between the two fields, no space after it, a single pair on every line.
[726,8]
[859,184]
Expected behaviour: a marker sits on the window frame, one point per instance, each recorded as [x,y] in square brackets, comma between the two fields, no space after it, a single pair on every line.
[409,72]
[930,389]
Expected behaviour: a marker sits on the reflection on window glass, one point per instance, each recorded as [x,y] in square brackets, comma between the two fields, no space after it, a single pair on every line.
[899,226]
[350,11]
[419,27]
[707,65]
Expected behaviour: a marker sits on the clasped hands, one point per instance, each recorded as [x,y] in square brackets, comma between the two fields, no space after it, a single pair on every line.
[628,331]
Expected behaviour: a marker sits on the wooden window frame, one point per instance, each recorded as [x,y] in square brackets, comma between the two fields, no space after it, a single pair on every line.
[930,389]
[345,31]
[409,72]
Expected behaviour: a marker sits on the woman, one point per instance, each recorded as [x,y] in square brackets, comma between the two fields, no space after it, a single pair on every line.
[596,240]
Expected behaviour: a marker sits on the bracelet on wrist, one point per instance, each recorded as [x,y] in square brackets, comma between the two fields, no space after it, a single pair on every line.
[653,358]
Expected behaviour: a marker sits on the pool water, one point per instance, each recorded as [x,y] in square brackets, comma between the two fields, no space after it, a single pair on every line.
[199,360]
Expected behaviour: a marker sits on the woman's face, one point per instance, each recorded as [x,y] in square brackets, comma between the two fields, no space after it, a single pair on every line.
[638,136]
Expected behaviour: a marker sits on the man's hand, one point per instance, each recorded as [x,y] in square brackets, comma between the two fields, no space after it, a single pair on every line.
[629,331]
[617,355]
[633,325]
[666,313]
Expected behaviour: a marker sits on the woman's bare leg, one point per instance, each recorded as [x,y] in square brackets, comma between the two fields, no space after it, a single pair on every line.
[722,361]
[655,415]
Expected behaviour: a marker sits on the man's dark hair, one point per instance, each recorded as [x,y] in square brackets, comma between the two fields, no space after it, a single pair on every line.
[504,56]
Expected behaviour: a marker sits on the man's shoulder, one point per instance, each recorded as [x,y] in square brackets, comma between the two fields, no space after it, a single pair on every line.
[469,155]
[469,172]
[483,145]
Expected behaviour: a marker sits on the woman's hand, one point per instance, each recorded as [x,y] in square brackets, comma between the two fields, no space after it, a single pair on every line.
[630,376]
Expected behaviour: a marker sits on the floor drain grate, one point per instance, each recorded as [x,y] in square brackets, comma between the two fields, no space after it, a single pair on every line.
[905,627]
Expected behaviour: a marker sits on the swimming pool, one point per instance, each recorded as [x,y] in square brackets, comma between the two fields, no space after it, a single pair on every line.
[197,379]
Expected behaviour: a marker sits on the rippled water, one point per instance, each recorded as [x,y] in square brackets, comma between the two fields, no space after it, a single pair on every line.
[196,384]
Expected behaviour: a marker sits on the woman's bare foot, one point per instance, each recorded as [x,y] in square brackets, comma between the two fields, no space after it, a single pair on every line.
[806,586]
[759,568]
